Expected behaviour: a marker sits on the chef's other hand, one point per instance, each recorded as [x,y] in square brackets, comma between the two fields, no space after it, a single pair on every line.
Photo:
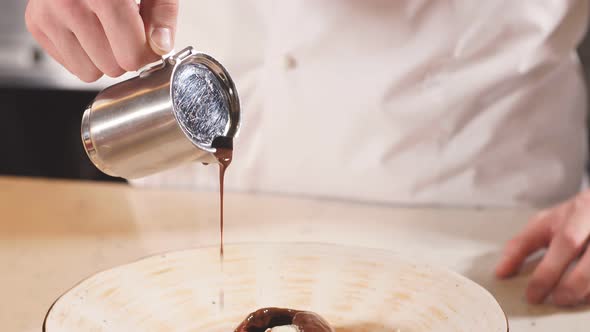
[564,231]
[95,37]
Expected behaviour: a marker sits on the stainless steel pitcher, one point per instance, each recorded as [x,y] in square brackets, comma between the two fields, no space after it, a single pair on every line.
[179,110]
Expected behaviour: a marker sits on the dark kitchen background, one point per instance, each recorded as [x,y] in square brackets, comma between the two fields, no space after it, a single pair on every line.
[41,106]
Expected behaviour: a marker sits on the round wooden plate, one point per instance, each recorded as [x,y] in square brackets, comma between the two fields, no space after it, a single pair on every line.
[354,289]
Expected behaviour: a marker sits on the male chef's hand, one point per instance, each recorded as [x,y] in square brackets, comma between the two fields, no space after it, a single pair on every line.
[95,37]
[564,231]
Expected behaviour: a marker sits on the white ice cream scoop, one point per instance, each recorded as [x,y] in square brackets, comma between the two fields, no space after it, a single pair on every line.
[284,328]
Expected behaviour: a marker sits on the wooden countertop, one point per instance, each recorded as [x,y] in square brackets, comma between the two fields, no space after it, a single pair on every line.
[56,233]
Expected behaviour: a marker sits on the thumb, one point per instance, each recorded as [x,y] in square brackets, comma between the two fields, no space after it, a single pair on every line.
[159,17]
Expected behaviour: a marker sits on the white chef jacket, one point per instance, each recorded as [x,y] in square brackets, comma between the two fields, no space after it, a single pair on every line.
[450,102]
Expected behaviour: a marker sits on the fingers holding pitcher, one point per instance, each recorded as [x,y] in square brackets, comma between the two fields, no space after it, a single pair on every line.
[95,37]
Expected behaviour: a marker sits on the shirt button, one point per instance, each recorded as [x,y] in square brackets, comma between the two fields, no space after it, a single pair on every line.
[290,62]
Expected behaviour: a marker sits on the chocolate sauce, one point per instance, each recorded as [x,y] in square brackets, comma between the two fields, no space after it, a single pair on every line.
[224,157]
[265,318]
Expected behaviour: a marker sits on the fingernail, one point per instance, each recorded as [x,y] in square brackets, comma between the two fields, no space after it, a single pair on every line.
[162,39]
[534,296]
[504,269]
[500,271]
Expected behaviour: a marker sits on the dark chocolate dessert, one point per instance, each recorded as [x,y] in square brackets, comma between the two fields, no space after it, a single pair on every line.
[283,320]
